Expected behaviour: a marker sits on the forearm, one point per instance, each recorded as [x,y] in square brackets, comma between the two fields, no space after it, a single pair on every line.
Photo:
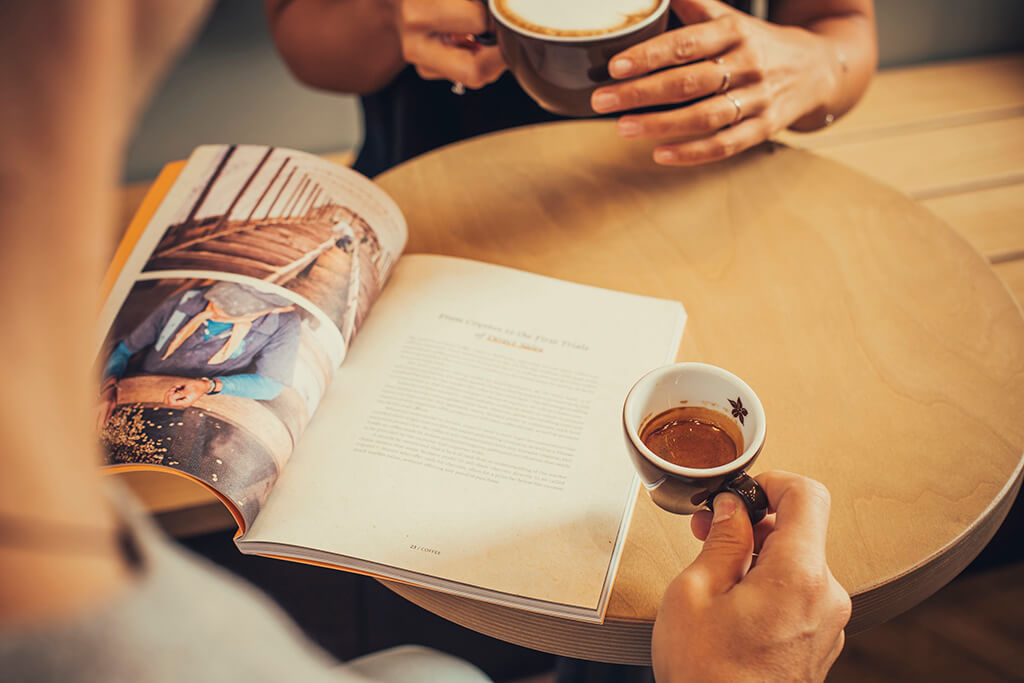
[346,46]
[60,132]
[851,54]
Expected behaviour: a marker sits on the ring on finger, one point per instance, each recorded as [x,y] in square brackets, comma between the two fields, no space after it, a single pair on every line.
[726,77]
[739,108]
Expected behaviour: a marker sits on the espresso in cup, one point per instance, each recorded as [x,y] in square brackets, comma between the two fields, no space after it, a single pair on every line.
[558,50]
[692,436]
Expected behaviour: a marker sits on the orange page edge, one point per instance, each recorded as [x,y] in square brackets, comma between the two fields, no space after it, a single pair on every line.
[112,470]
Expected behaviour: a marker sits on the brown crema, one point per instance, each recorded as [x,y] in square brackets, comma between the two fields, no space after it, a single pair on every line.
[691,436]
[518,22]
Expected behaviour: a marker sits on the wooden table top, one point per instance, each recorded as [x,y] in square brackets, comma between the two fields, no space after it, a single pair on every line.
[945,135]
[888,354]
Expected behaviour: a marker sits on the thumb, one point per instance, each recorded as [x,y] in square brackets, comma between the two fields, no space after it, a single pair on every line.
[726,556]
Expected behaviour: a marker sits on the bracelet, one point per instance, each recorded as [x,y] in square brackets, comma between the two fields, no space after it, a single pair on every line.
[213,386]
[841,57]
[844,68]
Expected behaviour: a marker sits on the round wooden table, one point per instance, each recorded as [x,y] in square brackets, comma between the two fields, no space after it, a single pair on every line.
[888,355]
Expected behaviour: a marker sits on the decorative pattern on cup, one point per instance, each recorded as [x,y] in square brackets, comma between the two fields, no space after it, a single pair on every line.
[738,411]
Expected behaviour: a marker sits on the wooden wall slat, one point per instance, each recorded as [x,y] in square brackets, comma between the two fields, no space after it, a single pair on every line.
[992,220]
[938,162]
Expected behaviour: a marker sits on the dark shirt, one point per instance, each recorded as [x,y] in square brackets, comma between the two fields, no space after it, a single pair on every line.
[411,115]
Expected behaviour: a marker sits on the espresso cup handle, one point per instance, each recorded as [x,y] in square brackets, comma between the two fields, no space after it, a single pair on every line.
[750,492]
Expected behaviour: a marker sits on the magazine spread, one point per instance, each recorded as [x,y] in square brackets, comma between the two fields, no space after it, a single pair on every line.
[467,439]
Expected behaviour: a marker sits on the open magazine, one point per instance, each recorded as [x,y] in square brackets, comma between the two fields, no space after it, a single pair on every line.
[465,435]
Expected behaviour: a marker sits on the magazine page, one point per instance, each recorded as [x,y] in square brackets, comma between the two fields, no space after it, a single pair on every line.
[473,442]
[233,312]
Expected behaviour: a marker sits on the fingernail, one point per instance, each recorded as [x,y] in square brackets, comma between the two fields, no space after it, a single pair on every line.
[620,67]
[628,128]
[604,101]
[725,508]
[664,156]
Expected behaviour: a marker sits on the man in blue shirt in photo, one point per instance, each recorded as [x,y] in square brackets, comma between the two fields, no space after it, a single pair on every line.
[228,338]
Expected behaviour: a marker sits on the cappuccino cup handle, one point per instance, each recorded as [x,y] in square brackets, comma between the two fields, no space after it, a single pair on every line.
[750,492]
[488,37]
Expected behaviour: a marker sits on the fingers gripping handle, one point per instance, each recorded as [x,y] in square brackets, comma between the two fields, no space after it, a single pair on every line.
[750,492]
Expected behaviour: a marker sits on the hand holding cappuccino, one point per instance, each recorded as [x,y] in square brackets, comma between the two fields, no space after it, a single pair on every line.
[738,80]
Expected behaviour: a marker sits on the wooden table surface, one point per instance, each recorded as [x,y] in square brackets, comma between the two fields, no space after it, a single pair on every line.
[887,353]
[874,309]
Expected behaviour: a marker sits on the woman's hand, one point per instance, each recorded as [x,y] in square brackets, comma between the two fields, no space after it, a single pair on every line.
[436,38]
[756,78]
[782,620]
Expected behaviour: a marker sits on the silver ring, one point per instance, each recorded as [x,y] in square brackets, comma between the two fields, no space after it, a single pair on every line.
[726,77]
[739,109]
[458,88]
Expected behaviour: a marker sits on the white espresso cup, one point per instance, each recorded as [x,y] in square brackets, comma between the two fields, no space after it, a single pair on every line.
[685,490]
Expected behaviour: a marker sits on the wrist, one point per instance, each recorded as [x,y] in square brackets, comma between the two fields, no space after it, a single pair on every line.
[832,70]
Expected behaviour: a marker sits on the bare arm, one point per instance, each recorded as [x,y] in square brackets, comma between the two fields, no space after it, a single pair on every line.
[849,26]
[347,46]
[63,139]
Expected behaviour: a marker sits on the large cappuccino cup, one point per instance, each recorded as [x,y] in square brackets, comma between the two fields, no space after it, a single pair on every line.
[559,50]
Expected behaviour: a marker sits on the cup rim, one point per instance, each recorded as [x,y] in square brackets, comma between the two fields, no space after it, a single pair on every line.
[662,7]
[739,463]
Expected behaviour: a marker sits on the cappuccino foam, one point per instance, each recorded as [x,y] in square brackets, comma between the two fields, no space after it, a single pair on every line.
[575,17]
